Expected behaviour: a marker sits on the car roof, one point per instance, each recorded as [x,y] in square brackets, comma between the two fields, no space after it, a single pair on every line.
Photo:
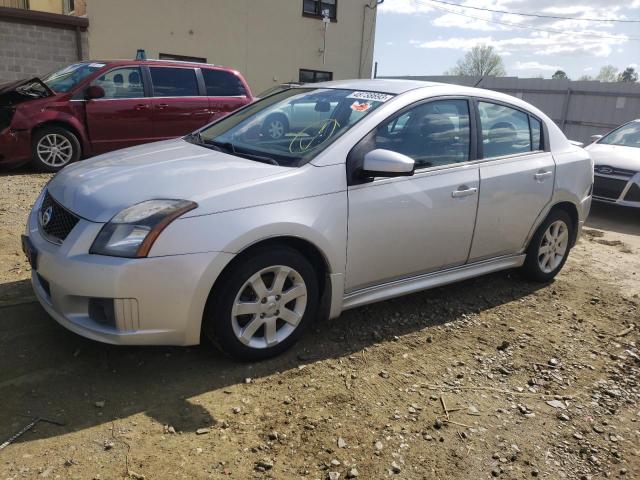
[394,86]
[167,63]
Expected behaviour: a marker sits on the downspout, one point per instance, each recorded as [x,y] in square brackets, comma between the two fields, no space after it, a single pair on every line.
[364,20]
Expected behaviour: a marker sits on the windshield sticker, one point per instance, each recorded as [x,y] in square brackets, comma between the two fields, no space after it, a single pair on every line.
[97,65]
[375,96]
[360,106]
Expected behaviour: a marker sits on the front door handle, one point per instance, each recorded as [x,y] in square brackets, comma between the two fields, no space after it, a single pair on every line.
[162,106]
[542,175]
[142,106]
[464,191]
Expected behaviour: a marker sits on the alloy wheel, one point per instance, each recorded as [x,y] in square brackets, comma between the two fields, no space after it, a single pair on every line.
[54,150]
[553,246]
[269,306]
[275,129]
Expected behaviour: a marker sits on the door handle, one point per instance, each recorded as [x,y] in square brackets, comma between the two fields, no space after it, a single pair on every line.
[162,106]
[142,106]
[464,191]
[542,175]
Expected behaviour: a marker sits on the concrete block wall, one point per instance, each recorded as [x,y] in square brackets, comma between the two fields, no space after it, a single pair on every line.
[29,49]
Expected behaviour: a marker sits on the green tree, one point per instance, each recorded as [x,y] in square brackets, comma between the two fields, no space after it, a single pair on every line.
[480,61]
[560,75]
[629,75]
[608,73]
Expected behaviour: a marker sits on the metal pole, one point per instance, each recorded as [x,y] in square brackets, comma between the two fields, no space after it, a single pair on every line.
[565,110]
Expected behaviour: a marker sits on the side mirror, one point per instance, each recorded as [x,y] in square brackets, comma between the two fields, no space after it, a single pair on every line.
[322,106]
[595,138]
[385,163]
[94,91]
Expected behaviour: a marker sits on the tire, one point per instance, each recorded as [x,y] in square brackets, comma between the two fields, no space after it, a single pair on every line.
[249,326]
[549,247]
[275,127]
[53,148]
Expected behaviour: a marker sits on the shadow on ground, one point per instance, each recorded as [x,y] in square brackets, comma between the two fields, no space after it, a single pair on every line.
[614,218]
[50,372]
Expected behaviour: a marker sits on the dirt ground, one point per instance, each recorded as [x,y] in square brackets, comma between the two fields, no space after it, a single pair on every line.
[493,377]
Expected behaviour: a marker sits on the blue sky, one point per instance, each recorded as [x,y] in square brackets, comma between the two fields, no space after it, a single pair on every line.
[418,37]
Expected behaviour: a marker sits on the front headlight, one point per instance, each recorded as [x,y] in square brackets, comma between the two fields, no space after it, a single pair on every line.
[131,232]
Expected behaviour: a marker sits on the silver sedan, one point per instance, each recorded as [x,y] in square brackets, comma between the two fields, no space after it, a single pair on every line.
[234,236]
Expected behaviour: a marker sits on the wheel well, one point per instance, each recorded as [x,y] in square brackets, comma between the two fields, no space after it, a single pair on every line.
[572,211]
[65,125]
[304,247]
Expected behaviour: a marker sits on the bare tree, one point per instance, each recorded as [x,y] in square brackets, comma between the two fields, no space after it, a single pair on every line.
[480,61]
[608,73]
[629,75]
[560,75]
[586,78]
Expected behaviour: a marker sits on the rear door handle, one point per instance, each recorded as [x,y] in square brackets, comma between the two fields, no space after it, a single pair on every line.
[162,106]
[464,191]
[142,106]
[542,175]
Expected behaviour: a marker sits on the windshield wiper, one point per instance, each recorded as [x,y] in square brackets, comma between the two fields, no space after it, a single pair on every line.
[229,147]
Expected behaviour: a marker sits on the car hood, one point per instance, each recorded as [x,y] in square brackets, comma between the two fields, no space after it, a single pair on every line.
[20,91]
[617,156]
[99,188]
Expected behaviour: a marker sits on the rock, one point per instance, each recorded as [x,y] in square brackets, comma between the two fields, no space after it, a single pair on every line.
[335,462]
[378,445]
[384,374]
[342,443]
[248,380]
[333,475]
[273,435]
[352,473]
[553,362]
[429,339]
[100,404]
[503,346]
[557,404]
[473,410]
[577,436]
[437,424]
[598,429]
[535,472]
[264,464]
[202,431]
[108,444]
[495,472]
[395,468]
[136,476]
[564,417]
[236,410]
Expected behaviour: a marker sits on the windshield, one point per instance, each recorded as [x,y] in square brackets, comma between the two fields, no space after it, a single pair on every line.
[291,127]
[66,79]
[627,136]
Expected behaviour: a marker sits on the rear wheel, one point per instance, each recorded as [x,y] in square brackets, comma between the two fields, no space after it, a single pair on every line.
[275,127]
[549,247]
[262,305]
[53,148]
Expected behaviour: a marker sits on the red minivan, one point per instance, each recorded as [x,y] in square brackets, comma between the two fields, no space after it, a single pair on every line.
[94,107]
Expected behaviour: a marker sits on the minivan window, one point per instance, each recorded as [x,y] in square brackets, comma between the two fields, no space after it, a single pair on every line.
[174,82]
[433,134]
[121,83]
[65,79]
[505,130]
[311,119]
[220,83]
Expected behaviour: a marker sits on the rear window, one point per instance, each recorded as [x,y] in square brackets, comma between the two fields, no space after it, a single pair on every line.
[174,82]
[220,83]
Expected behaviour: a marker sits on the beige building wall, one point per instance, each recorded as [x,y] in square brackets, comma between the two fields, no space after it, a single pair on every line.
[267,40]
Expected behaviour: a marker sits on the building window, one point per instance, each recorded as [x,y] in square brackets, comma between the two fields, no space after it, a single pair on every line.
[181,58]
[312,76]
[316,8]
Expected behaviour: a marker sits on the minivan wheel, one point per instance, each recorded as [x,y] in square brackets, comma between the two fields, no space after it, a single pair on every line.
[275,127]
[54,148]
[262,305]
[549,247]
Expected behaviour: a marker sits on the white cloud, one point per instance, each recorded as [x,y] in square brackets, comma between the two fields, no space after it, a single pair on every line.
[633,65]
[536,66]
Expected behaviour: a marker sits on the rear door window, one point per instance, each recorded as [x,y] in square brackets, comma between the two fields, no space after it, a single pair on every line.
[505,130]
[220,83]
[174,82]
[536,134]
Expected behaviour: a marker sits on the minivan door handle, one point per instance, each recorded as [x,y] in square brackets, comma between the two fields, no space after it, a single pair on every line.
[162,106]
[542,175]
[464,191]
[142,106]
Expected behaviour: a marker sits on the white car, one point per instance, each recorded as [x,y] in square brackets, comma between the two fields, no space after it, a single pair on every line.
[616,157]
[231,235]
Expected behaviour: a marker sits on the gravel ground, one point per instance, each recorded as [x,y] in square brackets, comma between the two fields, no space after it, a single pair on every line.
[493,377]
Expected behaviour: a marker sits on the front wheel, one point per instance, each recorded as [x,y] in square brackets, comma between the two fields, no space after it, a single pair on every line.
[262,305]
[54,148]
[549,247]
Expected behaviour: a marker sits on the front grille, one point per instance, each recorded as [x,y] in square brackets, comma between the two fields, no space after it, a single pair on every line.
[608,187]
[633,195]
[55,220]
[621,172]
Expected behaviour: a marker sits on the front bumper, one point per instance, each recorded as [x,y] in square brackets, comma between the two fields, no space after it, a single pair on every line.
[617,189]
[155,300]
[15,147]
